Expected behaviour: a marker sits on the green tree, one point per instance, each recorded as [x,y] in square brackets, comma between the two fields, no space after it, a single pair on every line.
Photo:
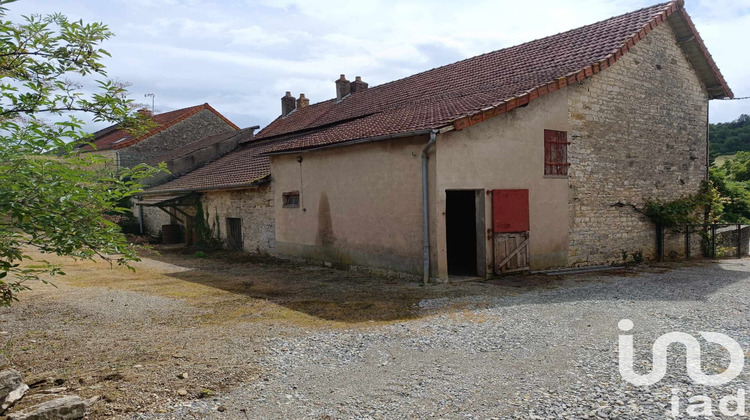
[52,197]
[734,196]
[729,138]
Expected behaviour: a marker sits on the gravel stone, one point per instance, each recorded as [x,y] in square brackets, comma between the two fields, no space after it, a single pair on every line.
[549,353]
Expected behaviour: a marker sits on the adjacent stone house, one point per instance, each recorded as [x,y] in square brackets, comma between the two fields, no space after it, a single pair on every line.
[181,161]
[185,139]
[526,158]
[173,129]
[232,195]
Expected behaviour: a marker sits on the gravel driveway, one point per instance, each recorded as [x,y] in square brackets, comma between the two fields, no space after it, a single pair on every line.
[547,353]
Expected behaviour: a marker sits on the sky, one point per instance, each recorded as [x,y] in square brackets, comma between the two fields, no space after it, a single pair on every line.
[241,56]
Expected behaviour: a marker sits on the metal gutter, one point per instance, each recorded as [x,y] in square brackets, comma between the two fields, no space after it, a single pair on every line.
[426,209]
[253,183]
[708,141]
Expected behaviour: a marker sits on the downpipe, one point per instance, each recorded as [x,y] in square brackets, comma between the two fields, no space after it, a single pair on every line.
[425,207]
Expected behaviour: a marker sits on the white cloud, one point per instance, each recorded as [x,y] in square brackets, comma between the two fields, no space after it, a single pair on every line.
[241,56]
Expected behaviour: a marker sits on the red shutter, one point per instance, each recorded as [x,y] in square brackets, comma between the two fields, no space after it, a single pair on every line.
[510,211]
[555,152]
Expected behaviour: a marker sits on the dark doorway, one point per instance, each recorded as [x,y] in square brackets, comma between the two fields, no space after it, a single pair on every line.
[461,232]
[234,233]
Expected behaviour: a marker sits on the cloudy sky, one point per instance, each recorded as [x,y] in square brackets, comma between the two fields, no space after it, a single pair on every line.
[241,55]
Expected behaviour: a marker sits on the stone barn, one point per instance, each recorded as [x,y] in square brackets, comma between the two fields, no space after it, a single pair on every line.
[172,130]
[525,158]
[231,195]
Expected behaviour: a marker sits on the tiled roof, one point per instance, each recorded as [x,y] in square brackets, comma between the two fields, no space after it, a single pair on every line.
[114,138]
[469,91]
[236,169]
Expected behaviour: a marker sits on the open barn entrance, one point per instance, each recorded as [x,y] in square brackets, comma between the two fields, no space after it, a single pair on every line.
[461,232]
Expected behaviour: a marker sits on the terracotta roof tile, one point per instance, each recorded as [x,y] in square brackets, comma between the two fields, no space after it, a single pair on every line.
[113,138]
[468,91]
[235,169]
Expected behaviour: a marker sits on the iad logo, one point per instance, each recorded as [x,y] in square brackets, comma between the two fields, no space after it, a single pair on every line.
[693,353]
[702,404]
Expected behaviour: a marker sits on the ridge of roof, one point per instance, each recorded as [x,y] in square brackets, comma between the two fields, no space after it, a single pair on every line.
[113,138]
[455,95]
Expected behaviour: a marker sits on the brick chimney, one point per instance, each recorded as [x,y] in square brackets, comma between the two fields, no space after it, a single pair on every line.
[288,103]
[357,85]
[343,87]
[145,112]
[302,101]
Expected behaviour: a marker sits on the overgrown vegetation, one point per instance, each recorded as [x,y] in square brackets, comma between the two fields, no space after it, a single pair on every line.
[52,197]
[206,238]
[703,208]
[726,196]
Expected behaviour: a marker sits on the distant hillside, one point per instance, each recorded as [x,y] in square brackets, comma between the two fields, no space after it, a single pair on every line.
[730,138]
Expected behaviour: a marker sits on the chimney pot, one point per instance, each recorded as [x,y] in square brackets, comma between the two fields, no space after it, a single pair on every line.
[343,87]
[302,101]
[288,104]
[358,85]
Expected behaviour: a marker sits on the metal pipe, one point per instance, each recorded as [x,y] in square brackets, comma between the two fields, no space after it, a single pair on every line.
[708,141]
[140,218]
[425,207]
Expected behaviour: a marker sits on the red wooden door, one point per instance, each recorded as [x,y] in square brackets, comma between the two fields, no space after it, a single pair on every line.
[510,211]
[510,222]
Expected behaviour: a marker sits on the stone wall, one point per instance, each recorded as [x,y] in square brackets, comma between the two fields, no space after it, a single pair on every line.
[202,124]
[638,131]
[256,209]
[153,219]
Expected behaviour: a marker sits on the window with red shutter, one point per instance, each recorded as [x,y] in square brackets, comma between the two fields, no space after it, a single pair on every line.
[556,153]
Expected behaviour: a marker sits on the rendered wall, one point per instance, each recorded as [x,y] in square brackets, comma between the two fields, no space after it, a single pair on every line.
[360,205]
[507,152]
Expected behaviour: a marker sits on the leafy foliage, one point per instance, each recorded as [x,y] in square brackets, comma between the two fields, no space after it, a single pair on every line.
[726,196]
[738,167]
[734,193]
[731,137]
[52,197]
[673,213]
[705,207]
[206,238]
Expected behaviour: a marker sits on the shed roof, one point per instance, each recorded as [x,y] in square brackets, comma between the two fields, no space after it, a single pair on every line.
[237,169]
[471,90]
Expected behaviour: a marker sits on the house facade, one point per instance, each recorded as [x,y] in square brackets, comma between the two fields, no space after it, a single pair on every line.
[184,139]
[527,158]
[628,121]
[172,130]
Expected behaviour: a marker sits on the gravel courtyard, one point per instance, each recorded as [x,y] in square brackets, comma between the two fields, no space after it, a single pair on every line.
[263,339]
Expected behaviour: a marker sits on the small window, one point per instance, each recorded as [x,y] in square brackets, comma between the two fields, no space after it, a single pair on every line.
[291,199]
[556,153]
